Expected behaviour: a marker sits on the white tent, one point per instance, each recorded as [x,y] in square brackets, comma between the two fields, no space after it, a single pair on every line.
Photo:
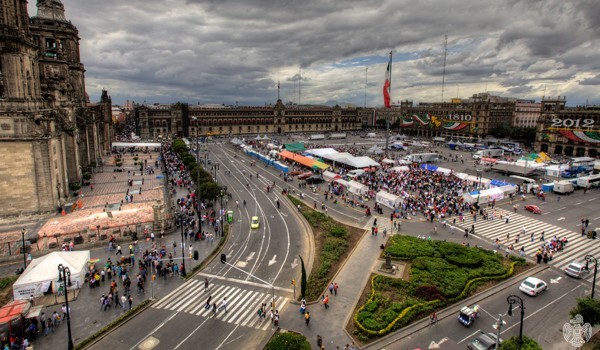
[371,134]
[357,188]
[388,199]
[387,161]
[444,171]
[330,176]
[363,162]
[400,169]
[375,150]
[342,182]
[320,152]
[41,275]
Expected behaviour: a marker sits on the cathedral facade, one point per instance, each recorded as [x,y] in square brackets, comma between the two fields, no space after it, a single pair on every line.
[49,133]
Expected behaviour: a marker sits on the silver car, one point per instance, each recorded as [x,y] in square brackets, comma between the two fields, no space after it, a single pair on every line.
[576,270]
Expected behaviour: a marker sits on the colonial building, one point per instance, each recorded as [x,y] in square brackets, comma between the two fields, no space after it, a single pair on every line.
[47,131]
[569,131]
[470,119]
[527,113]
[181,120]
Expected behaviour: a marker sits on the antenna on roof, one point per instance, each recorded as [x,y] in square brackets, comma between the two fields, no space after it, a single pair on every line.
[444,71]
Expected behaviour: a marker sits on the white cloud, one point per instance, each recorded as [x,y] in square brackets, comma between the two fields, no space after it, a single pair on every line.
[223,51]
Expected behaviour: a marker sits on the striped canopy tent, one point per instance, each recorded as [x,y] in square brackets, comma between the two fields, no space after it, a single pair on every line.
[306,161]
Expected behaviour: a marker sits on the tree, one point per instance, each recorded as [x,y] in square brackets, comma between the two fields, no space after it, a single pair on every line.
[513,344]
[188,160]
[589,309]
[209,191]
[303,282]
[380,123]
[178,145]
[288,340]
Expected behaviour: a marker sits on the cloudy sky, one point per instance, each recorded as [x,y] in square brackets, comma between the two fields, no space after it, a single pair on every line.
[333,51]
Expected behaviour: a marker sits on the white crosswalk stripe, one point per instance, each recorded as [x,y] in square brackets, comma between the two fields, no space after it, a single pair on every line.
[242,304]
[577,248]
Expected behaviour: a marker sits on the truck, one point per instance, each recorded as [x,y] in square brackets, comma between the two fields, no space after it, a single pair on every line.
[422,157]
[563,187]
[317,137]
[489,153]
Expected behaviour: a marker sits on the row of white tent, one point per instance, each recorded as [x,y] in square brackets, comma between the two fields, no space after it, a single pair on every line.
[346,158]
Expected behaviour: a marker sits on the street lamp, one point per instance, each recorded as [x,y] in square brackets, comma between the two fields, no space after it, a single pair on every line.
[98,228]
[182,245]
[64,275]
[513,299]
[23,248]
[478,184]
[590,259]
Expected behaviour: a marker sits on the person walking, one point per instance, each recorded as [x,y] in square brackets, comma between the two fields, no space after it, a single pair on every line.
[207,306]
[205,284]
[331,288]
[307,317]
[214,309]
[223,305]
[326,301]
[119,252]
[123,301]
[335,288]
[130,300]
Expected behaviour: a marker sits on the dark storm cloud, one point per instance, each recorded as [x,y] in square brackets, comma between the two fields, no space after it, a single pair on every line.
[222,51]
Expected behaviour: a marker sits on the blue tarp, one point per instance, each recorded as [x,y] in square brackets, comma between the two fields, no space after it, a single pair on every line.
[429,167]
[500,183]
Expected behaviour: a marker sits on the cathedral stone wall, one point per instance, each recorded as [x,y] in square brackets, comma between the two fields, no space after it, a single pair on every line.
[18,185]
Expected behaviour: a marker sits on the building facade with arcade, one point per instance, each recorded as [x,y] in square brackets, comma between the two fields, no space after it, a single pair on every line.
[460,119]
[183,120]
[568,131]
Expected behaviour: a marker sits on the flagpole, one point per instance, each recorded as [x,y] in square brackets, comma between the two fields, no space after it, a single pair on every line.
[387,122]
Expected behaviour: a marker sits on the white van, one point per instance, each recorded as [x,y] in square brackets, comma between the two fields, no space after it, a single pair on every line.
[354,173]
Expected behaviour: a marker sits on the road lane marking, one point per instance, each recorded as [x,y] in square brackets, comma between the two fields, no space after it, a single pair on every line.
[135,347]
[192,333]
[273,261]
[255,284]
[535,312]
[469,336]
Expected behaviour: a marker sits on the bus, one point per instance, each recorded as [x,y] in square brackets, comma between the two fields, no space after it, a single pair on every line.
[527,183]
[589,181]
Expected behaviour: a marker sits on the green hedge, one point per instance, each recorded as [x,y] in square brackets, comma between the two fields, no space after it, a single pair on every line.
[335,245]
[441,273]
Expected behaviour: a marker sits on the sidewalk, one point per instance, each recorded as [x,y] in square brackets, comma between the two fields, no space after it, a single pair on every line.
[330,323]
[87,317]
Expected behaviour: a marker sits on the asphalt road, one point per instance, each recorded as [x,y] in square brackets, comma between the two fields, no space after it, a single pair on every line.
[269,253]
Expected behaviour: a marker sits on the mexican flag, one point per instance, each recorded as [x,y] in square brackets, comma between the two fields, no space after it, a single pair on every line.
[386,84]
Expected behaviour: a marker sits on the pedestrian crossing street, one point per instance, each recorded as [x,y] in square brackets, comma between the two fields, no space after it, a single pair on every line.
[242,304]
[577,248]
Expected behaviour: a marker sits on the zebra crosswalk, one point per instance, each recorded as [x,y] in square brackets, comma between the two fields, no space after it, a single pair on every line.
[242,304]
[577,248]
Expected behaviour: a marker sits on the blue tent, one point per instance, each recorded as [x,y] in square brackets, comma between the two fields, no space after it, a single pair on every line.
[500,183]
[429,167]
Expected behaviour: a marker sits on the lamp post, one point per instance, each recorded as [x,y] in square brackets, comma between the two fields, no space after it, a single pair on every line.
[182,245]
[64,275]
[98,228]
[513,299]
[590,259]
[23,248]
[478,184]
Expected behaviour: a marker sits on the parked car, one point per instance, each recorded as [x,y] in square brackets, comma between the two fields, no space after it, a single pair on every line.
[315,180]
[295,172]
[533,286]
[577,270]
[305,175]
[533,208]
[486,341]
[254,223]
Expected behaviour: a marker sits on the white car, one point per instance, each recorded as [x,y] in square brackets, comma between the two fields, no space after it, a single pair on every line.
[577,270]
[533,286]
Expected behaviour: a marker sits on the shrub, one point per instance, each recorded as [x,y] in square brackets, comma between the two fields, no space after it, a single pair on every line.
[74,186]
[429,292]
[513,344]
[288,340]
[589,309]
[339,232]
[407,247]
[87,176]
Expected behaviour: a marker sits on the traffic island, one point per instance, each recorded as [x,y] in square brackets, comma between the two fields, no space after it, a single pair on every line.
[439,274]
